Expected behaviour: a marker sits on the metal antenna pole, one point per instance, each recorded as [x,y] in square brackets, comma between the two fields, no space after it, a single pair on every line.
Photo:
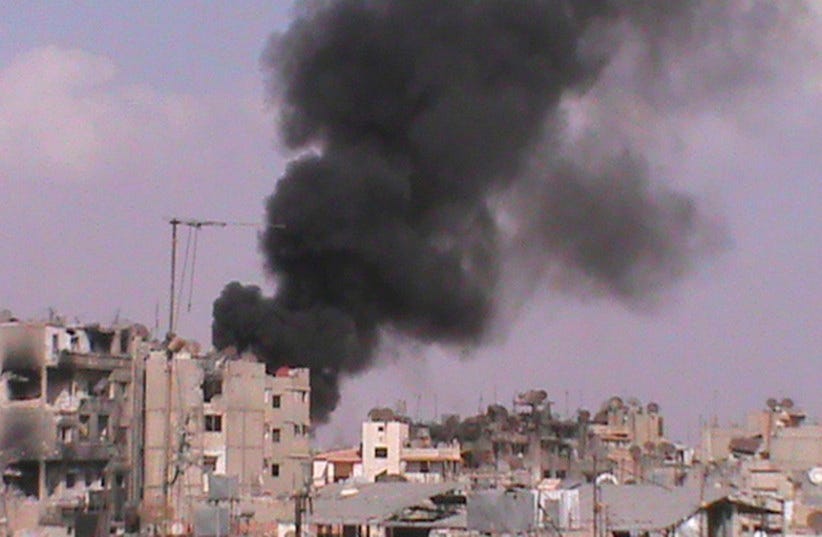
[174,223]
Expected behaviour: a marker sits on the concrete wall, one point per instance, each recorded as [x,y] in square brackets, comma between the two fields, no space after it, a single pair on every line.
[242,446]
[291,389]
[381,435]
[166,427]
[797,448]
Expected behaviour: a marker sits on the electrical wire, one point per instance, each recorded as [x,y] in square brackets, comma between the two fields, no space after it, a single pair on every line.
[193,264]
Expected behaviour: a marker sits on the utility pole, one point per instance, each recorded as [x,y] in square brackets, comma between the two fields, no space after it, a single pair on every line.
[595,503]
[171,348]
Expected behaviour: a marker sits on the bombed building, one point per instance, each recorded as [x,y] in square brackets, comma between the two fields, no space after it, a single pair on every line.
[69,420]
[101,427]
[222,415]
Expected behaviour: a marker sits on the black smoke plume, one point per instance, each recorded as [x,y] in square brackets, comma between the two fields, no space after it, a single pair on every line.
[422,124]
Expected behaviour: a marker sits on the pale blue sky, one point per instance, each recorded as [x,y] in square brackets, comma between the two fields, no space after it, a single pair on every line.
[115,115]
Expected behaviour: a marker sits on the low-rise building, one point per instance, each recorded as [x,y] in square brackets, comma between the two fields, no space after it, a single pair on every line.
[388,449]
[772,457]
[336,466]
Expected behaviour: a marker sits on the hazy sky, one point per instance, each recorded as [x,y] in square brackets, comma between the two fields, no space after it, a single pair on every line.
[114,118]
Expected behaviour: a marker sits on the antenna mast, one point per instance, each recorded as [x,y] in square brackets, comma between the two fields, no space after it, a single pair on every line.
[196,225]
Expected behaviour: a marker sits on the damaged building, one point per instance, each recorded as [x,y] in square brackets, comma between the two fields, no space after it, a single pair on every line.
[103,429]
[222,415]
[68,416]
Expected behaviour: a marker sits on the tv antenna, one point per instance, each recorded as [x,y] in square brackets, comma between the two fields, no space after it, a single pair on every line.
[194,229]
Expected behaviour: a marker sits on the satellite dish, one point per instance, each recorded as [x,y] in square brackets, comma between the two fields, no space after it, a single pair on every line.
[815,521]
[615,403]
[815,476]
[606,477]
[771,403]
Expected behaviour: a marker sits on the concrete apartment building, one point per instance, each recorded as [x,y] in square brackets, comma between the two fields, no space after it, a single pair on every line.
[620,424]
[774,455]
[102,428]
[68,416]
[225,416]
[389,450]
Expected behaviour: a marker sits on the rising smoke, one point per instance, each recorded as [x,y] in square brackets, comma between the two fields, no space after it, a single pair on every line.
[436,157]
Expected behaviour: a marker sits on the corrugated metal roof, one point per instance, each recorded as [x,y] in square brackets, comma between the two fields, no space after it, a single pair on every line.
[645,507]
[365,503]
[502,511]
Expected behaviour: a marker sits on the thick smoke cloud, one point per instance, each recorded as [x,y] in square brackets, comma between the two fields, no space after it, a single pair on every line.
[425,127]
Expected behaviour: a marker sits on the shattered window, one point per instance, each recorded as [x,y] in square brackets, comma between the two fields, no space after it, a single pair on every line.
[275,401]
[84,421]
[212,386]
[102,426]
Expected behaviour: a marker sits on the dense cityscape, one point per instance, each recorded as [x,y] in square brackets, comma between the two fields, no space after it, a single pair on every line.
[565,231]
[105,427]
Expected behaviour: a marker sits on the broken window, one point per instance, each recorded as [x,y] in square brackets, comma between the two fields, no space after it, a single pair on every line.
[84,426]
[381,452]
[22,373]
[275,401]
[65,434]
[54,476]
[102,426]
[99,341]
[213,422]
[58,381]
[275,435]
[125,338]
[23,476]
[297,429]
[212,386]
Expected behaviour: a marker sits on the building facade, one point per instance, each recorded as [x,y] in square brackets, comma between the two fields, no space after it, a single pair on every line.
[225,416]
[69,422]
[388,449]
